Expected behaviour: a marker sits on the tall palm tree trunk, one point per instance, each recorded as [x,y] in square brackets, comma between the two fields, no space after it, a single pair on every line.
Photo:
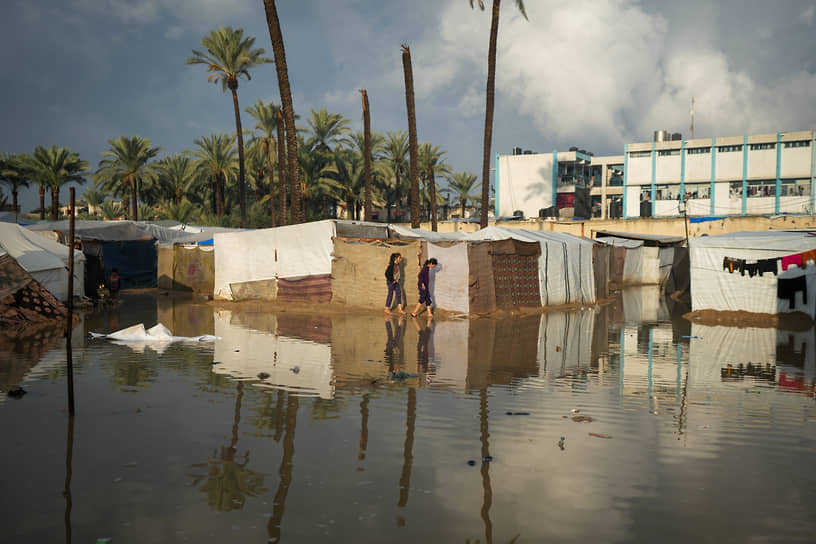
[490,99]
[281,167]
[412,135]
[271,182]
[134,200]
[54,203]
[233,85]
[432,183]
[276,36]
[367,154]
[214,199]
[14,201]
[42,202]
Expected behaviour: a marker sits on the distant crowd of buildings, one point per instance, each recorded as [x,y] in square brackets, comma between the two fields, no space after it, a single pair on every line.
[758,174]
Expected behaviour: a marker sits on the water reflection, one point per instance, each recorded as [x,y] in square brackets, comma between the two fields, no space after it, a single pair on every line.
[666,407]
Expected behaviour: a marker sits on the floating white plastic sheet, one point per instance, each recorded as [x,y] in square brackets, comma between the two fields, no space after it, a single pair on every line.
[155,334]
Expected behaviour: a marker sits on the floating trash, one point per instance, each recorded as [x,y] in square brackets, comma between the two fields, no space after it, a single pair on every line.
[600,435]
[472,463]
[561,443]
[517,413]
[582,419]
[263,375]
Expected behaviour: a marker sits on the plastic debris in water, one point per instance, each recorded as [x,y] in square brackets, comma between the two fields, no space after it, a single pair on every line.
[295,369]
[561,443]
[487,458]
[517,413]
[575,410]
[16,392]
[401,375]
[263,375]
[690,337]
[600,435]
[472,463]
[582,419]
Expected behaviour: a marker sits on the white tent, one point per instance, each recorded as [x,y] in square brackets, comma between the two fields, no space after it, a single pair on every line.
[565,271]
[289,252]
[45,260]
[715,288]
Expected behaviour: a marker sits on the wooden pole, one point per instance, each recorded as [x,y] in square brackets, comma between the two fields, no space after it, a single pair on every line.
[70,323]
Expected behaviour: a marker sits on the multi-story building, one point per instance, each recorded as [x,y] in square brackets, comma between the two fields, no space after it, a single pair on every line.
[738,175]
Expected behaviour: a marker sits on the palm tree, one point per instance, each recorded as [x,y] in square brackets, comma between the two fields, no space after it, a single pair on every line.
[461,185]
[127,164]
[326,130]
[367,154]
[491,92]
[182,211]
[94,197]
[276,36]
[281,170]
[229,55]
[412,134]
[13,174]
[315,181]
[266,123]
[396,151]
[431,162]
[177,174]
[216,161]
[110,210]
[53,167]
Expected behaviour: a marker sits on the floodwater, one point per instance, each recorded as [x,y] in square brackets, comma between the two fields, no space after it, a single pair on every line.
[619,424]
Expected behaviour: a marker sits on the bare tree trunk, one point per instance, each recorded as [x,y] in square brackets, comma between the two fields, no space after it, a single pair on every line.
[367,154]
[490,99]
[433,197]
[281,167]
[271,182]
[276,36]
[233,85]
[412,135]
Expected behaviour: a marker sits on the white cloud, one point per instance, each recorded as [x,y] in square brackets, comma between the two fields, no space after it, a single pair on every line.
[808,14]
[174,32]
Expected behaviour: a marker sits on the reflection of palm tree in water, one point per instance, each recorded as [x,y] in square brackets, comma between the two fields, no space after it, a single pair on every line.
[279,504]
[228,481]
[407,452]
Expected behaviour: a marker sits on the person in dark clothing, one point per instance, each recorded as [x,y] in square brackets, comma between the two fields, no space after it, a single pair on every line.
[393,276]
[423,283]
[114,283]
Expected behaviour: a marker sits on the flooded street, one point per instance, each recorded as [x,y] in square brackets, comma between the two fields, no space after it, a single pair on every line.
[623,423]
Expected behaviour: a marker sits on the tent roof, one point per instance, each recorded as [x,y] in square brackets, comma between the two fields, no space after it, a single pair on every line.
[398,231]
[648,239]
[780,240]
[32,251]
[503,233]
[105,231]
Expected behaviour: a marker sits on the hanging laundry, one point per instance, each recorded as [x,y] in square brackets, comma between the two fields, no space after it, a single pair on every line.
[809,255]
[787,288]
[731,264]
[751,268]
[792,259]
[768,265]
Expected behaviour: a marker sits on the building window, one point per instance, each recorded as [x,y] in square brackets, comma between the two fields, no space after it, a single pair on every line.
[698,150]
[761,187]
[668,152]
[798,143]
[735,189]
[698,190]
[795,187]
[639,154]
[667,192]
[729,148]
[760,147]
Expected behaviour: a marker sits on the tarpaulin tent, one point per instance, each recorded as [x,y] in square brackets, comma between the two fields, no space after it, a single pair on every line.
[714,286]
[648,258]
[565,268]
[286,260]
[44,259]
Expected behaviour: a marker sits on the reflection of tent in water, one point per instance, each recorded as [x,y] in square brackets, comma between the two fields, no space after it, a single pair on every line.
[721,354]
[289,363]
[46,260]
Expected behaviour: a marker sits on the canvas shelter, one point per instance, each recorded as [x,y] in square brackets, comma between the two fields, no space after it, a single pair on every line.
[45,260]
[647,258]
[717,286]
[293,262]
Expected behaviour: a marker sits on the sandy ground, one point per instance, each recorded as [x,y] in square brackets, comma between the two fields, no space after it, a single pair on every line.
[796,321]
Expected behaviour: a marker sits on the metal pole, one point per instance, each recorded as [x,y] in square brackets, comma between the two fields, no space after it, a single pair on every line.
[69,325]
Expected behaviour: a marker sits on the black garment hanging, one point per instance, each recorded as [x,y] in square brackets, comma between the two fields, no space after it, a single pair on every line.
[787,288]
[768,265]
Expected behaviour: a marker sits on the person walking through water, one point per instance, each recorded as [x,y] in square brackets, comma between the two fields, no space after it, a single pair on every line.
[423,284]
[393,277]
[113,284]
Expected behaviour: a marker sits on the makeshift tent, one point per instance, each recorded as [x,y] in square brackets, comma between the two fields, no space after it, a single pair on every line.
[44,259]
[715,287]
[565,269]
[647,258]
[271,263]
[188,267]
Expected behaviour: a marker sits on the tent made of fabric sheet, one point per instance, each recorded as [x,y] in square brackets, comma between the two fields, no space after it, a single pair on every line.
[291,364]
[282,253]
[398,231]
[44,259]
[715,288]
[358,271]
[565,268]
[194,269]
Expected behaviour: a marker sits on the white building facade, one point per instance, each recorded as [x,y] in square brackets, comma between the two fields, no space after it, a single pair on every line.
[760,174]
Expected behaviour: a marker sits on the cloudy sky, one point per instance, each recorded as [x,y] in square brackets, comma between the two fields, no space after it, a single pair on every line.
[596,74]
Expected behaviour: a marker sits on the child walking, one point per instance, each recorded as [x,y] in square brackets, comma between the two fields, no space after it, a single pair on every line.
[392,277]
[423,281]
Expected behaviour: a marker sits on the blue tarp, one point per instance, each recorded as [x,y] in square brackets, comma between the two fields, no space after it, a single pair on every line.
[704,219]
[135,260]
[206,242]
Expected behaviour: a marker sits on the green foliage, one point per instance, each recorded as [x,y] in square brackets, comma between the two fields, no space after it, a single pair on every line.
[125,166]
[111,210]
[183,212]
[228,56]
